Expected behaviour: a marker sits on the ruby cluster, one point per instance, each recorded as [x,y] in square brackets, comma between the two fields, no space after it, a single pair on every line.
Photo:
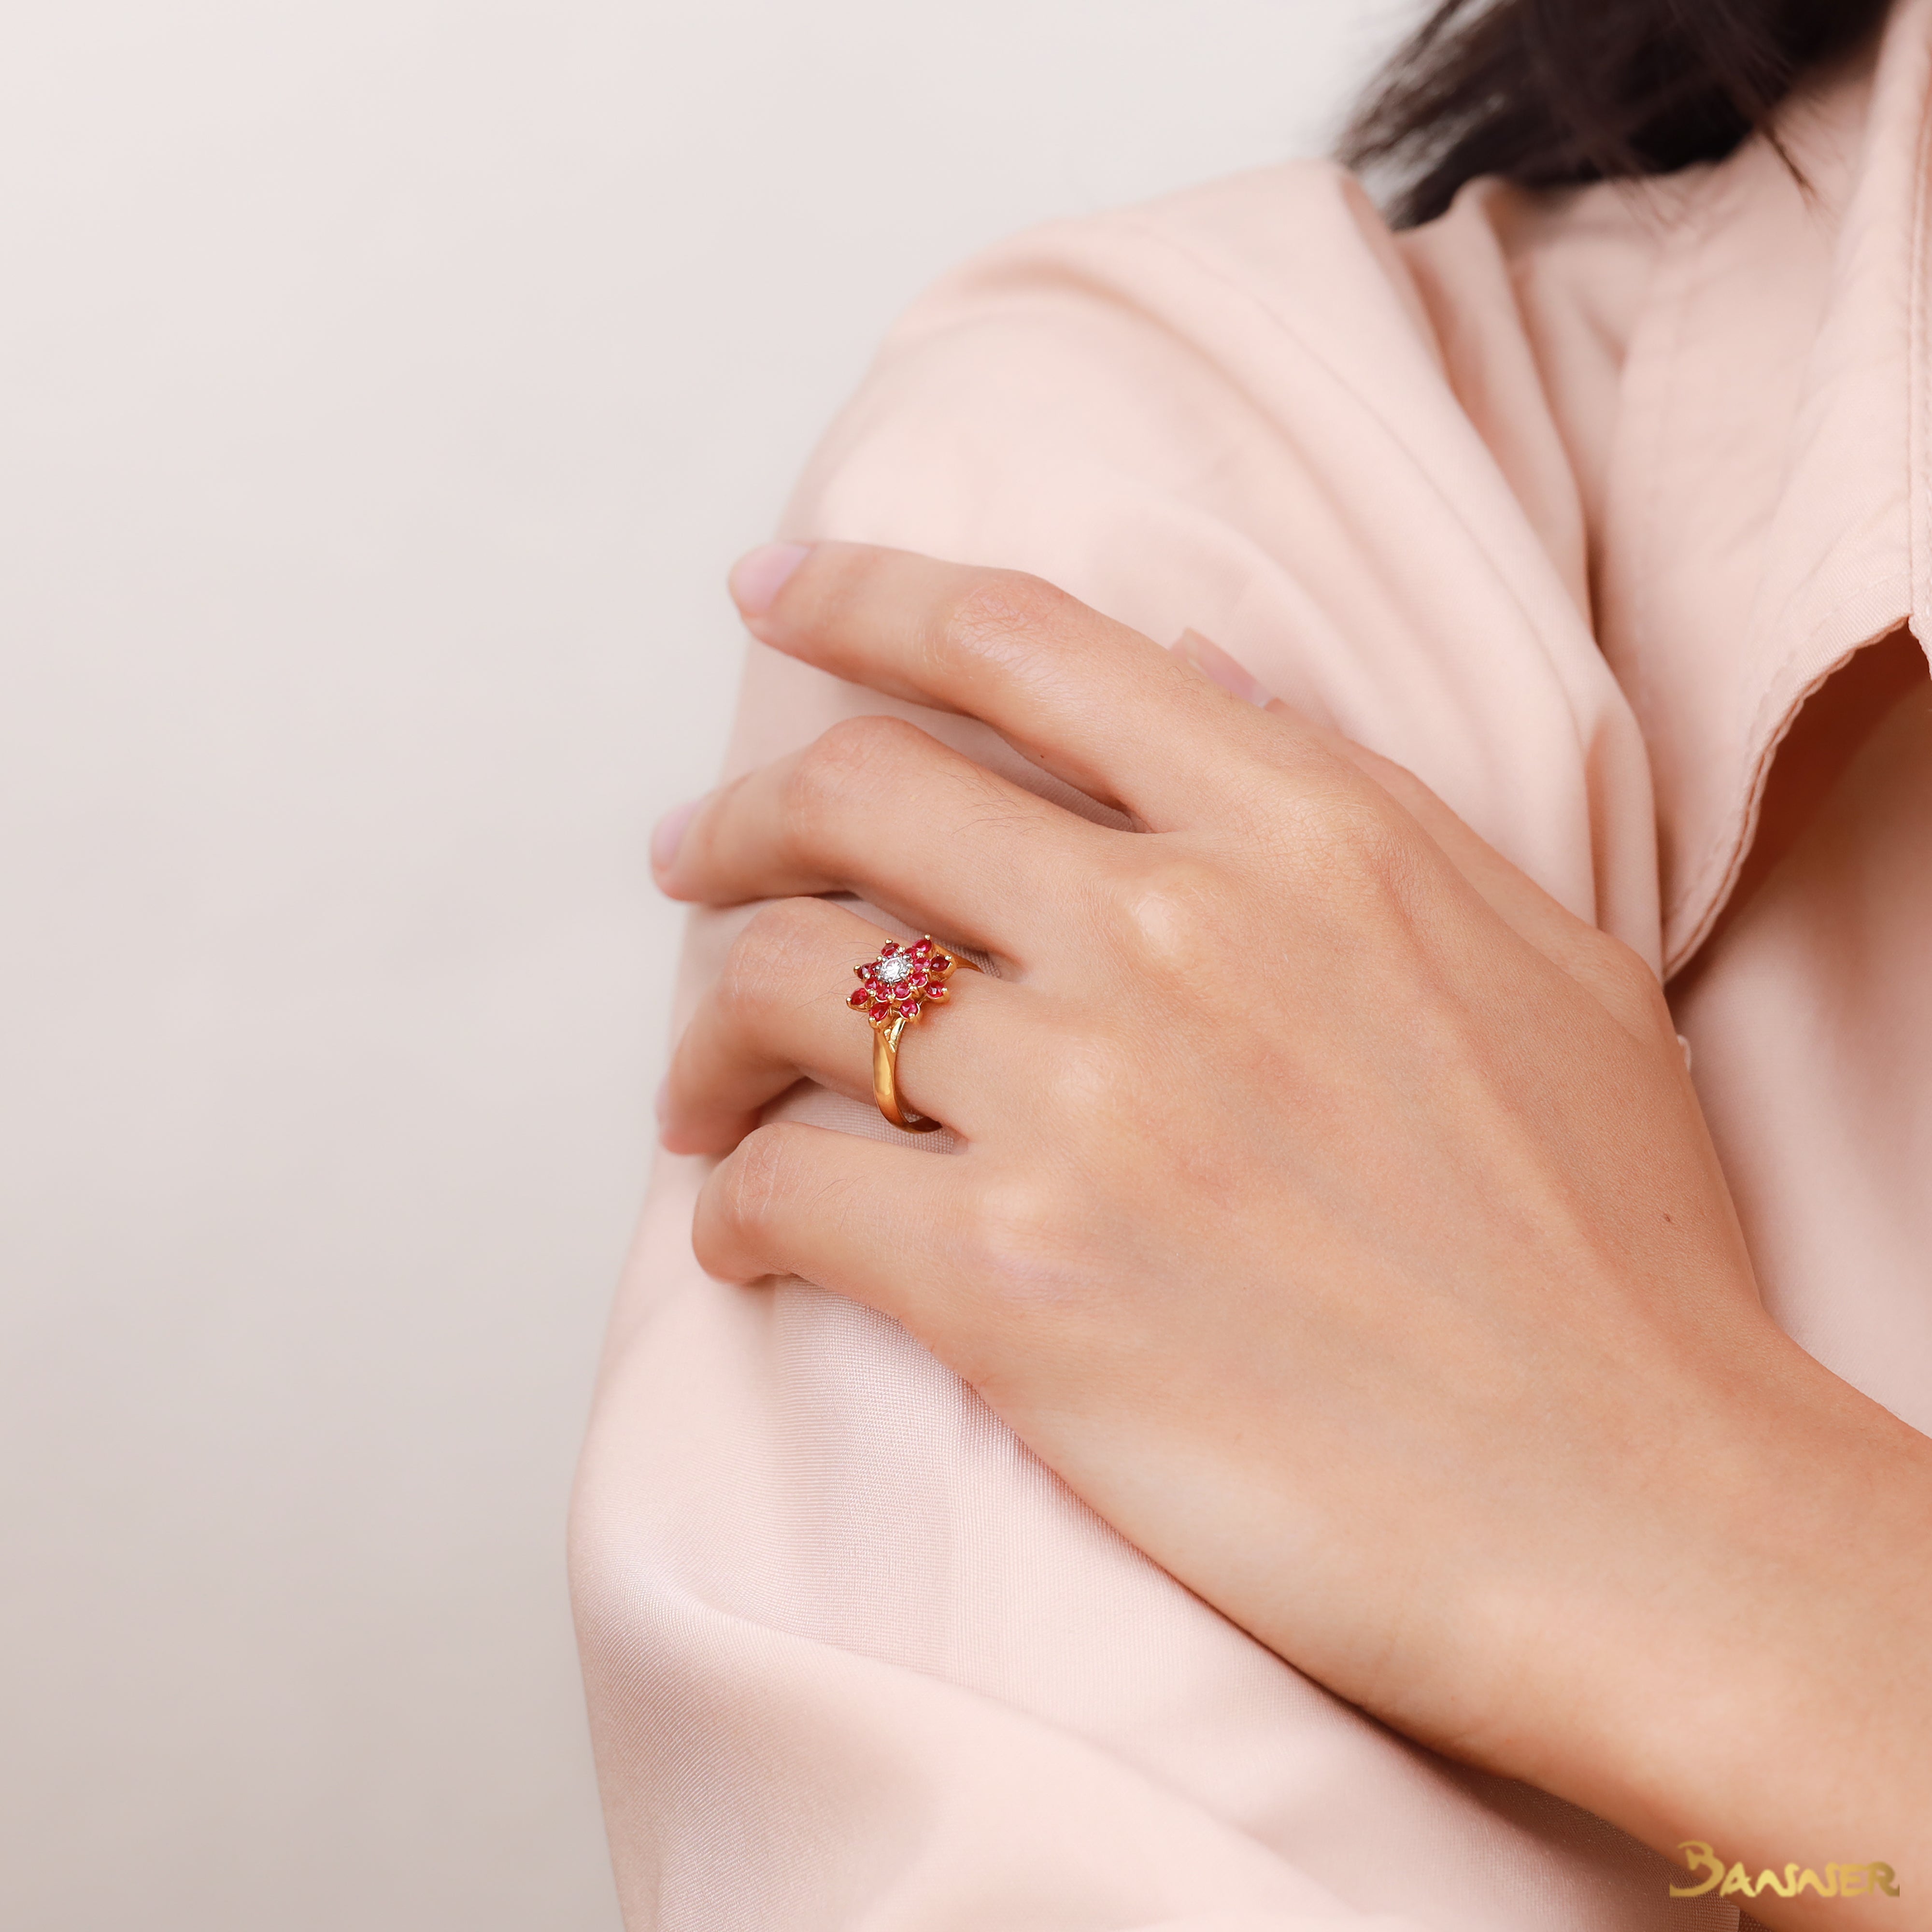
[891,986]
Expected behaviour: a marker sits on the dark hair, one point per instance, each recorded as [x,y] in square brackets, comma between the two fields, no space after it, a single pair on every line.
[1549,92]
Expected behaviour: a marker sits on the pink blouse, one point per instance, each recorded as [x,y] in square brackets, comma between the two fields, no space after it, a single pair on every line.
[1566,502]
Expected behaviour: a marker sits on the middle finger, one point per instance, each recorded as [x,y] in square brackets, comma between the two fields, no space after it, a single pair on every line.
[878,807]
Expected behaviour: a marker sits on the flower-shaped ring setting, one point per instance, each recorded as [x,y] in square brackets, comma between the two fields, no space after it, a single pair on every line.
[894,989]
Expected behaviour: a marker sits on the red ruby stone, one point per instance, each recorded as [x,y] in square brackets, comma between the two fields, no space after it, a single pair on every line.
[891,946]
[860,998]
[935,991]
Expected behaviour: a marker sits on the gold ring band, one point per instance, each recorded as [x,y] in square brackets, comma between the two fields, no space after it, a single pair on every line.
[894,990]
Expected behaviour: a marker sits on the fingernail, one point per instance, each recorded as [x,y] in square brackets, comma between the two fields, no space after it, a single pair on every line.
[669,836]
[1208,657]
[759,575]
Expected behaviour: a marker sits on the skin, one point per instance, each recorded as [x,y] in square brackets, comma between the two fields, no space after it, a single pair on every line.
[1335,1214]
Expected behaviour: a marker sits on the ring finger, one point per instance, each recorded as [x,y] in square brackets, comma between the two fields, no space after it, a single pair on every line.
[778,1012]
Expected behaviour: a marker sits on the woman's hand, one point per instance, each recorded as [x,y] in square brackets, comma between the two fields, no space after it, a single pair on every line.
[1335,1215]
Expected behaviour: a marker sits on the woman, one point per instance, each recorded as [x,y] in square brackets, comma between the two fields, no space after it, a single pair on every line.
[1351,1432]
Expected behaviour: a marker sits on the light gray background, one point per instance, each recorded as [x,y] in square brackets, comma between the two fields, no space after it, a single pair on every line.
[386,386]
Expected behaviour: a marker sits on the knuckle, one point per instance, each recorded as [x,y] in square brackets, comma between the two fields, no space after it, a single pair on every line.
[1346,841]
[1628,980]
[742,1198]
[826,776]
[1014,1239]
[780,943]
[1354,868]
[758,1169]
[1080,1073]
[1624,964]
[858,744]
[1168,917]
[998,616]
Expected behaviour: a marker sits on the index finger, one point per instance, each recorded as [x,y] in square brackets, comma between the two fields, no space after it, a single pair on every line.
[1091,700]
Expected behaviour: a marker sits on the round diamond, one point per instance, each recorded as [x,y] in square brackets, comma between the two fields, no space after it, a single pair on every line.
[895,969]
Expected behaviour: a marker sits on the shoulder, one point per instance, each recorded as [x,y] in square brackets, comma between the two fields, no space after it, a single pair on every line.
[1139,343]
[1283,248]
[1232,410]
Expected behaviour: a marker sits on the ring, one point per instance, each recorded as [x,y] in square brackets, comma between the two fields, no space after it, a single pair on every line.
[893,990]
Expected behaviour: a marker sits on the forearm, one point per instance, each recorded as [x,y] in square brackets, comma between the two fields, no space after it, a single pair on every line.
[1768,1692]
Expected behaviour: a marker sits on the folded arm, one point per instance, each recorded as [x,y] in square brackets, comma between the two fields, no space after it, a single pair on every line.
[1334,1213]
